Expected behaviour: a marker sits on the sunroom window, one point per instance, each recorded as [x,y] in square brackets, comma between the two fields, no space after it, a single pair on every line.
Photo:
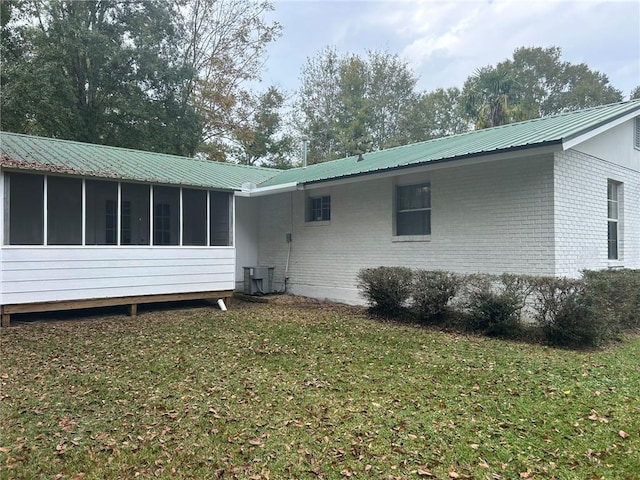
[166,218]
[102,212]
[134,214]
[24,209]
[194,221]
[64,211]
[52,210]
[220,219]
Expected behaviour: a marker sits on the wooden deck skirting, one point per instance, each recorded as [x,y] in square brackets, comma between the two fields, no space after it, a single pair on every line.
[132,302]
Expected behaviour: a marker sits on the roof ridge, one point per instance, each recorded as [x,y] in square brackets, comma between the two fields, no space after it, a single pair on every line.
[127,149]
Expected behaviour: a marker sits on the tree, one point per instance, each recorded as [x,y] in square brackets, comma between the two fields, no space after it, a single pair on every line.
[535,82]
[491,98]
[635,93]
[261,139]
[99,71]
[436,114]
[348,105]
[224,44]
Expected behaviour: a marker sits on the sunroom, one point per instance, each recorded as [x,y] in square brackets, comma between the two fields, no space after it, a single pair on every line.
[86,225]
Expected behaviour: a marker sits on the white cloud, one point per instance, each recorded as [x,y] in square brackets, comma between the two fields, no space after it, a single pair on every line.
[445,42]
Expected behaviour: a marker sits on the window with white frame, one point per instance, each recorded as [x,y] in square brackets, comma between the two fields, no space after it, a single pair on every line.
[413,209]
[319,209]
[613,220]
[636,137]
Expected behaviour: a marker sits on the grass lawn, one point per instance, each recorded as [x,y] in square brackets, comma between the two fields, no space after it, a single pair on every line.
[307,391]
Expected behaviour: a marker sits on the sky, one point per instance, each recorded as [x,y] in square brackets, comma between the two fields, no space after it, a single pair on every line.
[446,41]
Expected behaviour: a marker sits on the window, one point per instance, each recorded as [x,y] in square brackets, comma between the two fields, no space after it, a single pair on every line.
[194,217]
[221,218]
[24,209]
[613,219]
[101,212]
[134,214]
[413,209]
[47,209]
[636,137]
[166,218]
[64,211]
[319,209]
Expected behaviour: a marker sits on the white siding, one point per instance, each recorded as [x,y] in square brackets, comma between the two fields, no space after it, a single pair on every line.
[493,217]
[615,146]
[581,213]
[44,274]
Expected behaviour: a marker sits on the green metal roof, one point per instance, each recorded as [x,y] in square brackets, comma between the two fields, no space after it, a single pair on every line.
[61,156]
[535,133]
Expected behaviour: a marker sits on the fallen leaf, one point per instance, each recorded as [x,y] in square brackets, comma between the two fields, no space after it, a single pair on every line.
[623,434]
[424,473]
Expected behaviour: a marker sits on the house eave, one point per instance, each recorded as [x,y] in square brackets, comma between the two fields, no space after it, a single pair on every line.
[271,190]
[471,159]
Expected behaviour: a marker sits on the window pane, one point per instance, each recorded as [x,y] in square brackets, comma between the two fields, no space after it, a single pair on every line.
[134,222]
[613,240]
[166,215]
[612,209]
[101,212]
[414,196]
[414,223]
[319,209]
[24,215]
[194,217]
[221,219]
[64,211]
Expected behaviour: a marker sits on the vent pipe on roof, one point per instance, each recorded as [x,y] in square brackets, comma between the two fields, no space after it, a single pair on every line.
[305,139]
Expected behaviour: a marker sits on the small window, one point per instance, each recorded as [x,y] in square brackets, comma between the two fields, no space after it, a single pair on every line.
[24,209]
[413,209]
[636,137]
[319,209]
[64,211]
[221,218]
[134,214]
[613,219]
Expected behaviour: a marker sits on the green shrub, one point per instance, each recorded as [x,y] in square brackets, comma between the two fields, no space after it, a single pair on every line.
[567,315]
[386,289]
[616,295]
[495,304]
[432,291]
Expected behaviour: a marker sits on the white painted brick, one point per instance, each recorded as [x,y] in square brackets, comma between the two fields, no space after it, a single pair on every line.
[495,217]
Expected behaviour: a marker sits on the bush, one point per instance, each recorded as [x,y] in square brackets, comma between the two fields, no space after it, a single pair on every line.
[567,315]
[386,289]
[616,295]
[432,291]
[495,304]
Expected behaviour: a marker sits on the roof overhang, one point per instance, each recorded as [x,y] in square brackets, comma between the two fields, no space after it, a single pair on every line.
[519,153]
[254,191]
[583,137]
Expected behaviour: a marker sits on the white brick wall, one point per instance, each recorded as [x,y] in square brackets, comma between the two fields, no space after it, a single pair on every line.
[493,217]
[581,213]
